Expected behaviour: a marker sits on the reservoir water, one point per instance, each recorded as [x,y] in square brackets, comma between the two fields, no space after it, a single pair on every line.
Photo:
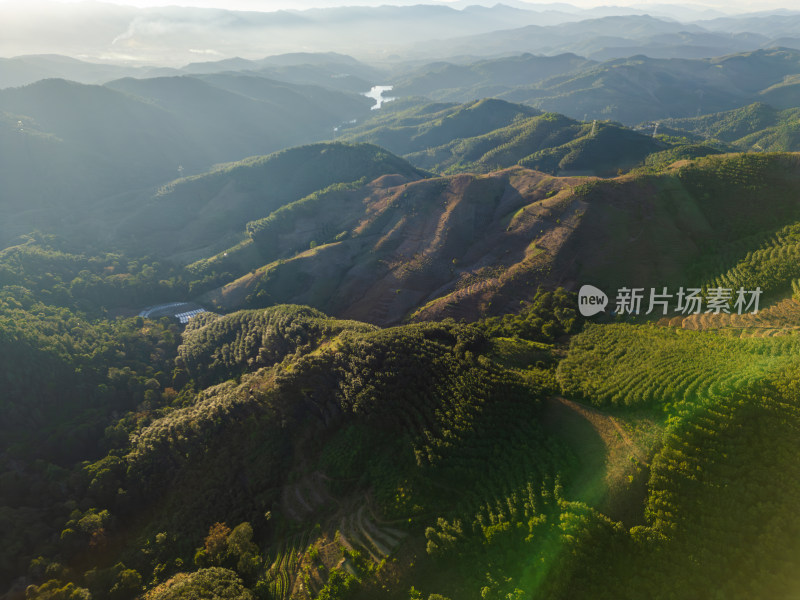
[376,93]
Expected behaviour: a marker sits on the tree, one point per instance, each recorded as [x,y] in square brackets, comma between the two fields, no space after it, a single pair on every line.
[242,551]
[215,549]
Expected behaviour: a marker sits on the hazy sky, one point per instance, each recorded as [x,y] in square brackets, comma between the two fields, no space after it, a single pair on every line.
[88,30]
[269,5]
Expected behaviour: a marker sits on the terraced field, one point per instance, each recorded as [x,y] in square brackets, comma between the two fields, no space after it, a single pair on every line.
[362,531]
[304,561]
[772,266]
[780,318]
[282,574]
[302,499]
[626,365]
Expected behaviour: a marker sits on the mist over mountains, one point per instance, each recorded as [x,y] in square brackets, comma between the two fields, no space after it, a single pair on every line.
[177,36]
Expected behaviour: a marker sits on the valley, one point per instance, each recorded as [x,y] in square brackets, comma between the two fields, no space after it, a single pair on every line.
[288,303]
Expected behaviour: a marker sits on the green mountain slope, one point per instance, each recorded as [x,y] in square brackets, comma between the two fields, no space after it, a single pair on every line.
[281,453]
[722,420]
[119,142]
[491,134]
[72,151]
[391,393]
[407,126]
[336,448]
[636,89]
[757,128]
[238,115]
[488,77]
[198,216]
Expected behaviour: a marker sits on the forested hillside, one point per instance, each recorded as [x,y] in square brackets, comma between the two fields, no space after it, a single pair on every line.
[293,455]
[212,210]
[71,150]
[490,134]
[456,323]
[757,128]
[631,88]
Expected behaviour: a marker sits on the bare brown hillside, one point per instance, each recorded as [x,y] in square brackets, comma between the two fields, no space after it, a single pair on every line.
[468,245]
[449,245]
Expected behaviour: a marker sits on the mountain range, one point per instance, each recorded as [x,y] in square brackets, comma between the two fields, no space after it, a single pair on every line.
[72,145]
[279,452]
[112,33]
[264,337]
[630,90]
